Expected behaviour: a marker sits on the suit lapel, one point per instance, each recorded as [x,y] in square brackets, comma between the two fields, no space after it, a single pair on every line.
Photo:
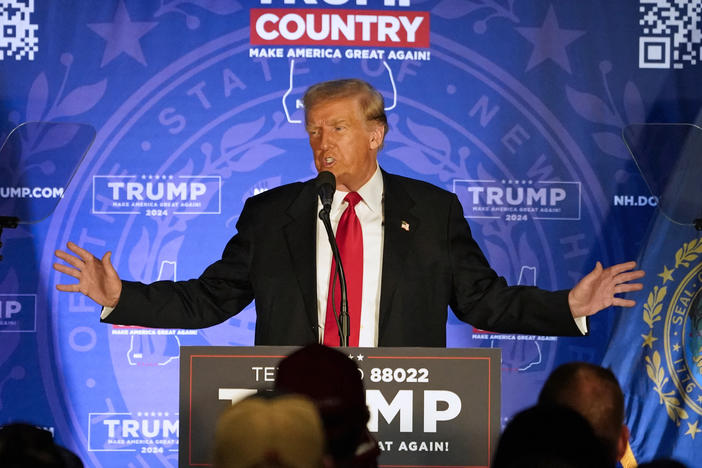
[301,236]
[399,227]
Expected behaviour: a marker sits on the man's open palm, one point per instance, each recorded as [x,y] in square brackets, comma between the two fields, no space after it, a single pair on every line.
[596,291]
[97,279]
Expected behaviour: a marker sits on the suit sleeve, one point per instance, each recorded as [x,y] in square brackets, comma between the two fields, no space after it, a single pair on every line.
[481,297]
[223,290]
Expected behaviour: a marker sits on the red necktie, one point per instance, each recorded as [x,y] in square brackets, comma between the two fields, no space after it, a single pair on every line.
[349,238]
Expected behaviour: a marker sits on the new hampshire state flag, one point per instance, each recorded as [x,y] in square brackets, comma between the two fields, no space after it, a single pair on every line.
[656,349]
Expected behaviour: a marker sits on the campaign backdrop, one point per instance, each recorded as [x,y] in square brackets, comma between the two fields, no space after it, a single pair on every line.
[516,106]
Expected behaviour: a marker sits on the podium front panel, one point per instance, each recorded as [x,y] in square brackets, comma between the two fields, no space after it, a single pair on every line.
[430,407]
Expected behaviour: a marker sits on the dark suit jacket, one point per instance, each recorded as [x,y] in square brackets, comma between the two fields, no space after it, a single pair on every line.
[426,268]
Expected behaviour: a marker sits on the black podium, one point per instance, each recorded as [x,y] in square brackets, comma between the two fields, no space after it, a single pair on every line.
[430,407]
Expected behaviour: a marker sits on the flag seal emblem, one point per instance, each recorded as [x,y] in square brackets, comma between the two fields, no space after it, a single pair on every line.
[673,342]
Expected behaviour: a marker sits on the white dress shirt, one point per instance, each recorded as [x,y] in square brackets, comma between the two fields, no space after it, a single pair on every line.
[370,213]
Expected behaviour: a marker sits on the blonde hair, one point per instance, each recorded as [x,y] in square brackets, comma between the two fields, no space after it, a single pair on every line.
[284,431]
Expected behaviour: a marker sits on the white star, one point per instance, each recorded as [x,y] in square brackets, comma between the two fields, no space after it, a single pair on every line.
[360,357]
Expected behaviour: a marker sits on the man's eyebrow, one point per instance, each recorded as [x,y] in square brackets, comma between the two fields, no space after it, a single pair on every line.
[330,123]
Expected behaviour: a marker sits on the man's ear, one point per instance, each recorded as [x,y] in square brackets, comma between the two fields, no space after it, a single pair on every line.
[377,132]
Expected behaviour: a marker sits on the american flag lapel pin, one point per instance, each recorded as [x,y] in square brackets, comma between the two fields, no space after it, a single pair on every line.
[404,225]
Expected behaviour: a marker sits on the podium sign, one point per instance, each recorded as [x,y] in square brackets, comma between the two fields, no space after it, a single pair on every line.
[429,407]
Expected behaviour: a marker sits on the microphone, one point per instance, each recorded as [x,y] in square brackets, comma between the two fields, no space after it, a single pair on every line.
[325,183]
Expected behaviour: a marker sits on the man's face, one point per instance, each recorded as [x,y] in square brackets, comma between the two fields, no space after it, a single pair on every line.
[343,142]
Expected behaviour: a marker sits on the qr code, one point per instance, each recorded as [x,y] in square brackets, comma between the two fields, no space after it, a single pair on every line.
[18,36]
[671,33]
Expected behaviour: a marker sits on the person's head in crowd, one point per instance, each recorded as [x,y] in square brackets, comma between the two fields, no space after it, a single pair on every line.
[283,431]
[594,392]
[550,437]
[334,383]
[346,124]
[24,445]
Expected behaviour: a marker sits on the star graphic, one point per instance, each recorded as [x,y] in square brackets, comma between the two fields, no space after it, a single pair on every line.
[360,357]
[648,339]
[667,274]
[550,41]
[351,356]
[676,347]
[692,429]
[122,36]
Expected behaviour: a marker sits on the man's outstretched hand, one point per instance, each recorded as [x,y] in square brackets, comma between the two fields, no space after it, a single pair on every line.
[97,279]
[596,291]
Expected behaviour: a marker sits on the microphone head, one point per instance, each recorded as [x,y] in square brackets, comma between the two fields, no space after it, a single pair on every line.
[325,183]
[324,178]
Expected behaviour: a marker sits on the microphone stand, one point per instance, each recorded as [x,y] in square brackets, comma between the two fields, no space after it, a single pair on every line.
[342,321]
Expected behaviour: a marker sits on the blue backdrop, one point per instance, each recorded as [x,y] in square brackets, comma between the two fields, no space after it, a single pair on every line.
[518,107]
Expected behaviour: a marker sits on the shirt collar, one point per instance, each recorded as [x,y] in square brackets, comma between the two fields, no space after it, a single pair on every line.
[371,193]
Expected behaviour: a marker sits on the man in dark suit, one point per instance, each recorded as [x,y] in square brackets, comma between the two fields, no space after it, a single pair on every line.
[418,256]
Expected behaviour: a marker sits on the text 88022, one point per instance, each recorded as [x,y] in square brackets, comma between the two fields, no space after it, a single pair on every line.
[399,374]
